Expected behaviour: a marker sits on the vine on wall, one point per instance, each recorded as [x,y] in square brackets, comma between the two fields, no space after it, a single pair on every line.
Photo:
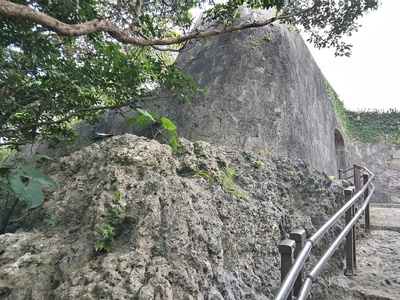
[368,126]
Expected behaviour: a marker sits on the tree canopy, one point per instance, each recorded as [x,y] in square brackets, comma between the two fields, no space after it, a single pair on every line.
[66,61]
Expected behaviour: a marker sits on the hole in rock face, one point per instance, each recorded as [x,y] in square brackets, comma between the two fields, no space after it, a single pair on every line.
[5,291]
[185,171]
[340,150]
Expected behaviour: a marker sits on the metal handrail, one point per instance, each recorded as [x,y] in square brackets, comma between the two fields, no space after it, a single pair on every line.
[346,178]
[310,278]
[344,171]
[289,281]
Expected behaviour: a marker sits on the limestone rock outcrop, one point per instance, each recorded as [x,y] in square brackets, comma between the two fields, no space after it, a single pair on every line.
[192,230]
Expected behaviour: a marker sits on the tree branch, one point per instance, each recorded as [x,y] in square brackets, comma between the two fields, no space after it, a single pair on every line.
[68,117]
[10,109]
[21,12]
[15,143]
[138,8]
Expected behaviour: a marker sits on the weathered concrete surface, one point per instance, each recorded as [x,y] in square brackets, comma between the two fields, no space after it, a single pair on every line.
[265,93]
[384,161]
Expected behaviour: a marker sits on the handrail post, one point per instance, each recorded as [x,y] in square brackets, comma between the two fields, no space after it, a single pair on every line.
[357,184]
[367,215]
[357,178]
[299,236]
[286,248]
[350,237]
[340,173]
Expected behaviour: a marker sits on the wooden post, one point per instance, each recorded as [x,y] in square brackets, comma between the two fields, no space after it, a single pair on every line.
[286,248]
[357,178]
[367,214]
[350,247]
[299,236]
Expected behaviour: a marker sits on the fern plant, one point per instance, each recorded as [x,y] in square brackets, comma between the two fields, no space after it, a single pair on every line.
[226,177]
[25,185]
[106,232]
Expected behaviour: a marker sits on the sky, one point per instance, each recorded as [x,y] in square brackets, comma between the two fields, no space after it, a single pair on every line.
[370,78]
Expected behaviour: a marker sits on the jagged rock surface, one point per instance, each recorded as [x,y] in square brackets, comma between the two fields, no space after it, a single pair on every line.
[186,238]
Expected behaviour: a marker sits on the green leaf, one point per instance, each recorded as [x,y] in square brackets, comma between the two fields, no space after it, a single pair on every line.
[130,121]
[41,156]
[30,195]
[230,171]
[35,174]
[204,174]
[49,222]
[98,246]
[4,171]
[146,113]
[117,196]
[6,188]
[168,124]
[144,120]
[174,142]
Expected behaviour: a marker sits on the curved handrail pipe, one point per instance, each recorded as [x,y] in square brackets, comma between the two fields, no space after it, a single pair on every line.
[298,265]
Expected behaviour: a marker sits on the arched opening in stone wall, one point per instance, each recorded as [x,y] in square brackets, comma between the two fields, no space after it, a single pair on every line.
[340,150]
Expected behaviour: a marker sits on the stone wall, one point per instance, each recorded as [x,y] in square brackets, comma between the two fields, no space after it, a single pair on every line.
[265,94]
[384,161]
